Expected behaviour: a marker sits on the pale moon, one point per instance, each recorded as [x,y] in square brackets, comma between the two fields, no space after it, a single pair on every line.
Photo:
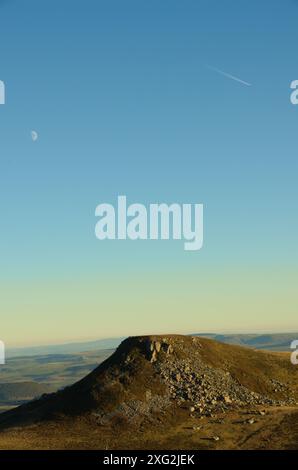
[34,136]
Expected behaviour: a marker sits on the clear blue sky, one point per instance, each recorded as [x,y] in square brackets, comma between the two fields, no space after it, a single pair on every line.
[126,100]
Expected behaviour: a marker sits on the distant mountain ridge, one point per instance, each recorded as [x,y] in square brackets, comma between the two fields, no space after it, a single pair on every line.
[270,341]
[66,348]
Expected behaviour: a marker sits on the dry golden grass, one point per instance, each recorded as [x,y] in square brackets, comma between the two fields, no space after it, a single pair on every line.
[278,429]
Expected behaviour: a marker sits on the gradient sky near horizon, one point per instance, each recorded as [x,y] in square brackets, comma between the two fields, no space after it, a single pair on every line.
[128,97]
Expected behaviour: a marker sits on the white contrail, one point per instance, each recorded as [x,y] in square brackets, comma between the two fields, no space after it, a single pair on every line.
[228,75]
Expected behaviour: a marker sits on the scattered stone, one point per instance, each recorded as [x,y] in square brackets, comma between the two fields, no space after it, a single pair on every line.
[154,356]
[227,399]
[190,380]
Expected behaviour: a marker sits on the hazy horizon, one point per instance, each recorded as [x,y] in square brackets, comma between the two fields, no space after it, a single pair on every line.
[120,337]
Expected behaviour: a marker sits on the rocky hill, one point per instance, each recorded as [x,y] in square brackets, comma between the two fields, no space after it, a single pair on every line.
[164,381]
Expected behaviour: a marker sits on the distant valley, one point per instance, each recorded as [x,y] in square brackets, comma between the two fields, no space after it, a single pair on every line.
[27,377]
